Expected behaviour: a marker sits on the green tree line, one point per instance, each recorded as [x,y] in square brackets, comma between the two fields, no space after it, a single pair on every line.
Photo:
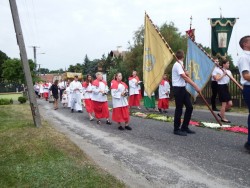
[11,69]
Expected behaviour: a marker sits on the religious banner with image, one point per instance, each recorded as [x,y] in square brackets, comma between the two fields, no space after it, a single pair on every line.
[157,56]
[199,66]
[221,30]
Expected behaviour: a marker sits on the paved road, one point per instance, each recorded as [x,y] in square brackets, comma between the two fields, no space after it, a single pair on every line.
[209,158]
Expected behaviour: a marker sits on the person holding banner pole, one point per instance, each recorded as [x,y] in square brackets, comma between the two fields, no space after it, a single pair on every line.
[244,68]
[179,79]
[221,77]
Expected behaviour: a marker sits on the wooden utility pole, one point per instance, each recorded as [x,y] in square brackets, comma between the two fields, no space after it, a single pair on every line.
[34,52]
[25,63]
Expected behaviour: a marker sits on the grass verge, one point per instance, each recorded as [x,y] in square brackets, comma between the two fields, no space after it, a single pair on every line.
[13,96]
[42,157]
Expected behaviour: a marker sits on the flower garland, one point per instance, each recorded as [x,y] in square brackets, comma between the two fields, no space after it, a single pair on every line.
[215,125]
[231,128]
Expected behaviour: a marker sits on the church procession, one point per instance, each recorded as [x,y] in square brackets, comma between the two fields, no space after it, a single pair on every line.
[185,83]
[141,94]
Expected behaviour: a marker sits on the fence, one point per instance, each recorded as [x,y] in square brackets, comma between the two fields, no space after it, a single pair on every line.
[6,87]
[235,92]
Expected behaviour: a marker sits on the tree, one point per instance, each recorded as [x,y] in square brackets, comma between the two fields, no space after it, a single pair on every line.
[3,57]
[76,68]
[59,71]
[43,71]
[90,67]
[13,70]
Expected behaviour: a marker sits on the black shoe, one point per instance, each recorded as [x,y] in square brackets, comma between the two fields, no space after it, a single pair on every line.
[160,111]
[79,111]
[189,131]
[108,122]
[180,133]
[216,109]
[225,121]
[120,128]
[247,146]
[98,122]
[128,127]
[165,111]
[72,110]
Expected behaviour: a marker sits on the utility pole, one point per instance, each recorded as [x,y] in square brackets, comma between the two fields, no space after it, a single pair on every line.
[26,67]
[39,69]
[34,51]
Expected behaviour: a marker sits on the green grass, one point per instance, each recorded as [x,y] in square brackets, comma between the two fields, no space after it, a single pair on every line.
[13,96]
[42,157]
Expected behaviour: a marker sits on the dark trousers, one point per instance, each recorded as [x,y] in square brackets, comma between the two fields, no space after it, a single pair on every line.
[61,92]
[214,87]
[182,97]
[246,95]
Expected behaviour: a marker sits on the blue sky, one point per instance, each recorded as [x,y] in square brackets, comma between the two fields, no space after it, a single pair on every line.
[67,30]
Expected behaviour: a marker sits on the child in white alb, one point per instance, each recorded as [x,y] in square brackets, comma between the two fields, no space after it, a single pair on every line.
[65,99]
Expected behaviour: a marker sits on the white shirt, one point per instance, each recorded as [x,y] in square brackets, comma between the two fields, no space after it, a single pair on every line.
[133,88]
[36,87]
[215,69]
[62,85]
[46,88]
[41,88]
[225,79]
[117,99]
[97,95]
[87,95]
[177,70]
[244,65]
[163,89]
[68,90]
[75,87]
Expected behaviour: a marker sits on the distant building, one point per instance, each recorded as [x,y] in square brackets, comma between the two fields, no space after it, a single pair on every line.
[117,53]
[50,77]
[47,77]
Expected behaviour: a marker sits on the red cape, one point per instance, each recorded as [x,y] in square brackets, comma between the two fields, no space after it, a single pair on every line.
[116,83]
[96,82]
[137,78]
[163,81]
[85,84]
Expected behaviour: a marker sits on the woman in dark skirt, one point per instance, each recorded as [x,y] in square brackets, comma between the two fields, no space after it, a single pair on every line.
[220,75]
[54,90]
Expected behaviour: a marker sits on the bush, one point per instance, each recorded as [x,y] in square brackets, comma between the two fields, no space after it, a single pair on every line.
[11,101]
[5,101]
[22,99]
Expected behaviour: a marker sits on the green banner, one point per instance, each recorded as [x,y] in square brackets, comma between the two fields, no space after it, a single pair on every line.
[221,33]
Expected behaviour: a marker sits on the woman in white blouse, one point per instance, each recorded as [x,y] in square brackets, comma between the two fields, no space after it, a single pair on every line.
[220,75]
